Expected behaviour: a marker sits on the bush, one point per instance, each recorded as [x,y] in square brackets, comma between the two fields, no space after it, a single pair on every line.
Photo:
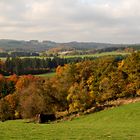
[6,112]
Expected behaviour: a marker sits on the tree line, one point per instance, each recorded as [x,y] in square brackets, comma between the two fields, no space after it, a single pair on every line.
[18,54]
[21,66]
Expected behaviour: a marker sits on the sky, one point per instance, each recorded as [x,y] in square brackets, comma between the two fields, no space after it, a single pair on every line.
[110,21]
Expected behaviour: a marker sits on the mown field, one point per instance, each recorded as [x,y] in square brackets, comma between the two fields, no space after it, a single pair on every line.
[97,54]
[121,123]
[51,74]
[72,56]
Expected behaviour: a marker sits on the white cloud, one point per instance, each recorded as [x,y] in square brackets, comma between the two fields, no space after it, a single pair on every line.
[68,20]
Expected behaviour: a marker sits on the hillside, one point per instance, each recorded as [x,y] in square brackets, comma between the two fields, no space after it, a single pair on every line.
[36,46]
[121,123]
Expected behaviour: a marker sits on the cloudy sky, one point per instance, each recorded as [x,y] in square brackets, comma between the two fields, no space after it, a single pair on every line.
[115,21]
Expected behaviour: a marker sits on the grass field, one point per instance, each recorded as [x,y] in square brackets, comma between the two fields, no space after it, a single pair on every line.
[46,74]
[51,74]
[97,54]
[71,56]
[122,123]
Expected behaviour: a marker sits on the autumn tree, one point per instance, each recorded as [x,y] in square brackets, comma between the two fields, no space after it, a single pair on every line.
[6,113]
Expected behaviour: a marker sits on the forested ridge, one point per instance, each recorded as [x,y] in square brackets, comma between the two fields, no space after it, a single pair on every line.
[37,46]
[75,88]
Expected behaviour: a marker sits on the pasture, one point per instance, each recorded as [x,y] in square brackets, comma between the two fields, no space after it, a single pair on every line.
[97,54]
[121,123]
[51,74]
[82,56]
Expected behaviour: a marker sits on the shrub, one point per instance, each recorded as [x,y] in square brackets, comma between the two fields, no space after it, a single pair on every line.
[6,112]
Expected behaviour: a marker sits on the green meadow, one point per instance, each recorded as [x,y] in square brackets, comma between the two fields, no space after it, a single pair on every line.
[97,54]
[72,56]
[51,74]
[121,123]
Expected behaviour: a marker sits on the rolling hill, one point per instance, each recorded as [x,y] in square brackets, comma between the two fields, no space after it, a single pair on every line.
[121,123]
[36,46]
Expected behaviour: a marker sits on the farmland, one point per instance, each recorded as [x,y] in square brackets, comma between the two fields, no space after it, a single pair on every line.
[82,56]
[69,70]
[120,123]
[40,65]
[78,87]
[47,74]
[98,54]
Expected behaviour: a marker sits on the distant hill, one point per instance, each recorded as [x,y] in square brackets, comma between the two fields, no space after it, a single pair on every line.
[36,46]
[32,45]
